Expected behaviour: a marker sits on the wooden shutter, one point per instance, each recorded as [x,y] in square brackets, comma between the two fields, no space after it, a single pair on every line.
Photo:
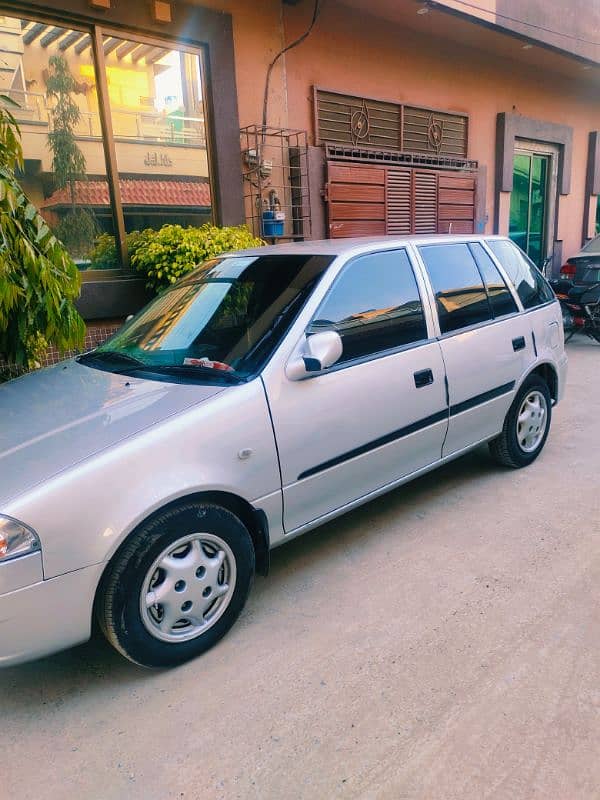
[456,204]
[369,200]
[398,190]
[425,202]
[356,196]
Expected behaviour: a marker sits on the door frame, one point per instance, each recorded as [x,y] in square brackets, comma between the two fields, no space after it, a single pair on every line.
[511,127]
[530,147]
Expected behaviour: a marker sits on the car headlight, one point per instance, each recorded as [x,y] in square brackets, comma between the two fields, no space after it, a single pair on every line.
[16,539]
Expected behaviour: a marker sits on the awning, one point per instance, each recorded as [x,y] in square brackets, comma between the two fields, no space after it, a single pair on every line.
[134,192]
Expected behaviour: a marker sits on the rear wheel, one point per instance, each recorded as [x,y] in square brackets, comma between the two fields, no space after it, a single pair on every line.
[177,585]
[568,322]
[526,425]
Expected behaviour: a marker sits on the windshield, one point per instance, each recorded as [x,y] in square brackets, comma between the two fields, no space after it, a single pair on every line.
[225,317]
[593,247]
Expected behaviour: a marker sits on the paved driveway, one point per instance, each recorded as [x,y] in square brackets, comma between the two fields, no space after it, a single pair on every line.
[442,642]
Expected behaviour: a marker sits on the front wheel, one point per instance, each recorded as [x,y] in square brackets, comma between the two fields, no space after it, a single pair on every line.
[177,585]
[526,425]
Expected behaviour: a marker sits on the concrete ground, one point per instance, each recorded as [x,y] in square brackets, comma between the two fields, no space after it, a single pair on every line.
[442,642]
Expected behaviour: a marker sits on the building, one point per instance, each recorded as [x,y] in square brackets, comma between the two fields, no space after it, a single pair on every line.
[392,116]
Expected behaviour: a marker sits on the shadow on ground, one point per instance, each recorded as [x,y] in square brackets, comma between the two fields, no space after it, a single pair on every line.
[75,670]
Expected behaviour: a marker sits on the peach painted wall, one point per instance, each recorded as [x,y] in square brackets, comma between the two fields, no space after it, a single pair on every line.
[258,37]
[358,54]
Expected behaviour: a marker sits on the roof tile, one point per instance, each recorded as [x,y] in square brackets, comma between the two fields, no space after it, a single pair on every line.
[135,192]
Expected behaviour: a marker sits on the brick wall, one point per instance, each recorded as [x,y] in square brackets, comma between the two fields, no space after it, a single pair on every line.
[94,336]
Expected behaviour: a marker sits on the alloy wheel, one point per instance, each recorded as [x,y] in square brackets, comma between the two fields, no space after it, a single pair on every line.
[532,421]
[188,587]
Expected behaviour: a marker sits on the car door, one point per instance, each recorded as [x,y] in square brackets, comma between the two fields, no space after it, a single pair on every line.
[375,416]
[485,340]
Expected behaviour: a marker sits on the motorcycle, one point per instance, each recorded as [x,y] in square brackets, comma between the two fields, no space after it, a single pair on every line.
[580,305]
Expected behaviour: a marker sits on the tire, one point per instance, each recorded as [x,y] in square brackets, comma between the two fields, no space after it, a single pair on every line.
[198,559]
[511,448]
[568,321]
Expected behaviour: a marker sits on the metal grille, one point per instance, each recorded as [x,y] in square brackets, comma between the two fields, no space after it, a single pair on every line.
[365,122]
[372,156]
[357,120]
[276,182]
[424,131]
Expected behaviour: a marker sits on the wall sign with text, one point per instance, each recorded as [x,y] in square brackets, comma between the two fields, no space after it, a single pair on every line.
[154,159]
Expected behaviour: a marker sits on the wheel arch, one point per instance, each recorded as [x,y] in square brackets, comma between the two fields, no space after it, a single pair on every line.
[254,519]
[549,374]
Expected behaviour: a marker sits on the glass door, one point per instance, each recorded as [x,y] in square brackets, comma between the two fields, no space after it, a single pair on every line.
[528,204]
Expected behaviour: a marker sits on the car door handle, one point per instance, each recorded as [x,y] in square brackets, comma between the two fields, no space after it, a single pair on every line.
[519,343]
[423,378]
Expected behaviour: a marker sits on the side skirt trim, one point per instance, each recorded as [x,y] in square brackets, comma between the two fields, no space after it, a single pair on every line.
[315,523]
[426,422]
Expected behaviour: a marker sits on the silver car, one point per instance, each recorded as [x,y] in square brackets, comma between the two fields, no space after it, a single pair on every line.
[269,391]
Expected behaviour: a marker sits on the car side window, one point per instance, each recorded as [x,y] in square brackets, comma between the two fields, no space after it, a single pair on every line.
[460,295]
[374,305]
[531,286]
[501,300]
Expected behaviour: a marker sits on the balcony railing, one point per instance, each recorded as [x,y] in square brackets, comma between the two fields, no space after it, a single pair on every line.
[146,126]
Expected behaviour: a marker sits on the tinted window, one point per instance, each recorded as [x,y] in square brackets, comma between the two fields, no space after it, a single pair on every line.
[501,300]
[459,291]
[228,315]
[374,305]
[529,282]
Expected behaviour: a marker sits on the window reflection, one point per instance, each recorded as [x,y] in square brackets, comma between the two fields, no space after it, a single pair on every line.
[157,113]
[460,294]
[158,126]
[48,71]
[529,282]
[501,300]
[374,306]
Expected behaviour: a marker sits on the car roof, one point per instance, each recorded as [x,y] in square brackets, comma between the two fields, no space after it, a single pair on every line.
[337,247]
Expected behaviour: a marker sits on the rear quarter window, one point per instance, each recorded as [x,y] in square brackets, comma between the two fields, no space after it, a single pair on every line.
[501,300]
[530,284]
[460,295]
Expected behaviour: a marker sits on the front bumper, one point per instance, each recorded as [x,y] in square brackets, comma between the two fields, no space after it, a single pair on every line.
[47,616]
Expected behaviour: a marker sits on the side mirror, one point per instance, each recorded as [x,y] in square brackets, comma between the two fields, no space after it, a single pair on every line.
[321,351]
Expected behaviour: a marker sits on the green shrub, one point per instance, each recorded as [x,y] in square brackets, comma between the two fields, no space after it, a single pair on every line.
[104,253]
[165,255]
[77,231]
[105,256]
[38,279]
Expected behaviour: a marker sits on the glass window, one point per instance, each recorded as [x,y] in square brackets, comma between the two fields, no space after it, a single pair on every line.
[460,295]
[157,112]
[501,300]
[48,71]
[374,305]
[529,282]
[225,317]
[527,217]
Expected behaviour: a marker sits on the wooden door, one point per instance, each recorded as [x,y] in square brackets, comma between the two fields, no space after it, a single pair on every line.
[373,200]
[356,200]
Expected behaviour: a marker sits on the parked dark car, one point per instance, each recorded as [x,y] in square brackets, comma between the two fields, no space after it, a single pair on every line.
[578,290]
[584,267]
